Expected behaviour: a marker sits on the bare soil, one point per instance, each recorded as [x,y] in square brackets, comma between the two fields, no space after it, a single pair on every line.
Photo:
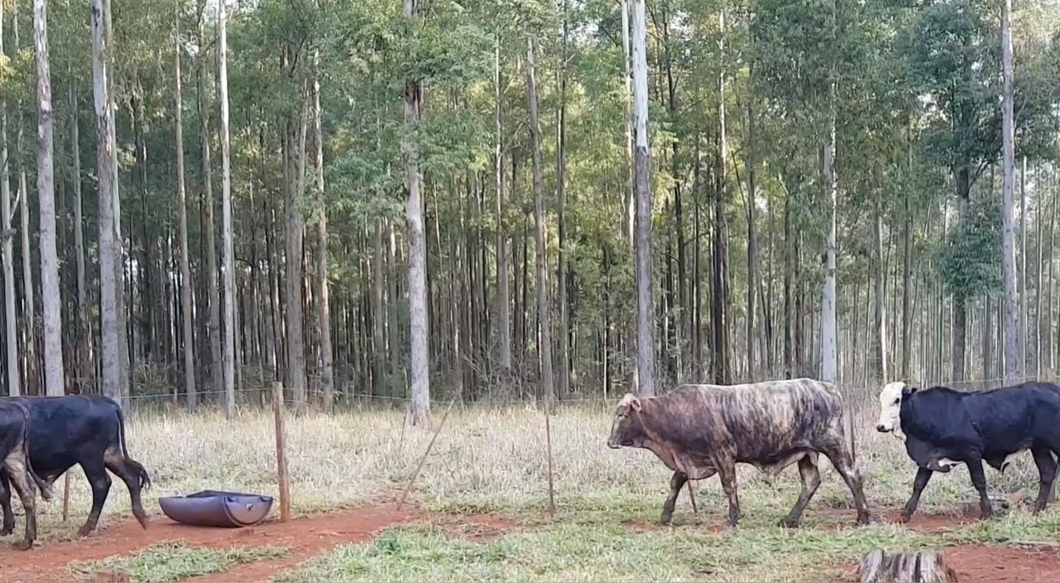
[305,537]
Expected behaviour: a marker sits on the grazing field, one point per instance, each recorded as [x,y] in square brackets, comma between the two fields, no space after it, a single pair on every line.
[481,510]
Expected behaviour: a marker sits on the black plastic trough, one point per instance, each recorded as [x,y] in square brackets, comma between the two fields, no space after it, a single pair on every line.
[217,508]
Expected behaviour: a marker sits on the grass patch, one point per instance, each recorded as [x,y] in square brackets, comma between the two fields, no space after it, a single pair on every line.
[175,561]
[590,551]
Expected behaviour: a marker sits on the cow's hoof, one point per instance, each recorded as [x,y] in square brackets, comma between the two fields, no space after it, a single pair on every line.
[24,545]
[788,522]
[7,530]
[986,514]
[84,531]
[905,517]
[864,519]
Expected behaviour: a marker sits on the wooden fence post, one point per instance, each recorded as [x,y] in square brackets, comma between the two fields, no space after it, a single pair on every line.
[281,455]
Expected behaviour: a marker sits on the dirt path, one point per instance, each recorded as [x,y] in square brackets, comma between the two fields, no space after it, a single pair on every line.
[305,537]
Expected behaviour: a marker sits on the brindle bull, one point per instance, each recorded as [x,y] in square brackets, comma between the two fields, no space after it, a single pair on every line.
[702,430]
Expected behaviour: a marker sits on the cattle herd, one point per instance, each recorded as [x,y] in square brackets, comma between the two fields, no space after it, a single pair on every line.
[702,430]
[697,431]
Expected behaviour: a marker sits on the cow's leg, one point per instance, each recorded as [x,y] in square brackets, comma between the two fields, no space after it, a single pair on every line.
[677,481]
[116,462]
[727,474]
[846,468]
[975,469]
[1043,458]
[100,482]
[5,501]
[811,479]
[921,480]
[18,471]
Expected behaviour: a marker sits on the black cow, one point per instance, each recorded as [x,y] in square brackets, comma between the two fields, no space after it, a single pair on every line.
[14,461]
[699,431]
[89,431]
[943,427]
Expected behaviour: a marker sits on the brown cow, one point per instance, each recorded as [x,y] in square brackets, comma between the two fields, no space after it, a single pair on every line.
[701,430]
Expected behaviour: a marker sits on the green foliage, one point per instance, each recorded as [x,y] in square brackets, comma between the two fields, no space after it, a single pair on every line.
[967,258]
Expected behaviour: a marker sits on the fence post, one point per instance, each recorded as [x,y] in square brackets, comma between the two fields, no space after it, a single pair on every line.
[281,456]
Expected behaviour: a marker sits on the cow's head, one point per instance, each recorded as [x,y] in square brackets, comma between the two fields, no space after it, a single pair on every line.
[626,429]
[891,407]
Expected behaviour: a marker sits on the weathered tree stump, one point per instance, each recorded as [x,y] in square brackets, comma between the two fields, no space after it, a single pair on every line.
[920,567]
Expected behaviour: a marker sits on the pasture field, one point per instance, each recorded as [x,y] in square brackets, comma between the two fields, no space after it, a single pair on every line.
[479,509]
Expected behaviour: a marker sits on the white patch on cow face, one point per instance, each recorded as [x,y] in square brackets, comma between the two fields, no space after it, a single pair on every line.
[890,409]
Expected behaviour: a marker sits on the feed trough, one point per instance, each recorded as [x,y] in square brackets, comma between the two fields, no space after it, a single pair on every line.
[216,508]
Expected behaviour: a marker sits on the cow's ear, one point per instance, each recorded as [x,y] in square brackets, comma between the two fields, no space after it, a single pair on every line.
[635,403]
[908,391]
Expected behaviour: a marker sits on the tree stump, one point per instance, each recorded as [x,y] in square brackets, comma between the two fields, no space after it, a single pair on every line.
[907,567]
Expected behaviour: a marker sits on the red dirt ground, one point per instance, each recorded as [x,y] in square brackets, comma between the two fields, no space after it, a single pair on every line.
[312,535]
[305,537]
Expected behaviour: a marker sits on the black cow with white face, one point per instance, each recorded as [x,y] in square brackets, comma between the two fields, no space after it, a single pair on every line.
[942,428]
[85,431]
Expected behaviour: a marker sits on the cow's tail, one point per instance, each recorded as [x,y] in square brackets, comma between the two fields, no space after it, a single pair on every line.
[45,489]
[141,473]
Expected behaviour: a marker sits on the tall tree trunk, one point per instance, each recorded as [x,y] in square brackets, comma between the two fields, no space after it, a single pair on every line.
[1039,268]
[879,333]
[720,316]
[226,219]
[294,228]
[829,351]
[14,383]
[629,210]
[1013,342]
[561,195]
[1023,269]
[543,320]
[419,359]
[327,380]
[503,313]
[212,291]
[108,245]
[752,243]
[49,258]
[645,309]
[182,217]
[1050,285]
[29,312]
[907,315]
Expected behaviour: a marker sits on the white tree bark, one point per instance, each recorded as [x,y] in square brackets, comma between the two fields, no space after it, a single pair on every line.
[226,216]
[829,350]
[629,200]
[212,290]
[419,405]
[327,381]
[645,309]
[29,311]
[543,307]
[51,301]
[14,382]
[182,213]
[504,324]
[1008,207]
[109,324]
[1023,267]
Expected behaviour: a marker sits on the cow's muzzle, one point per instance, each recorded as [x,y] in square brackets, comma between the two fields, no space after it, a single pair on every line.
[883,428]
